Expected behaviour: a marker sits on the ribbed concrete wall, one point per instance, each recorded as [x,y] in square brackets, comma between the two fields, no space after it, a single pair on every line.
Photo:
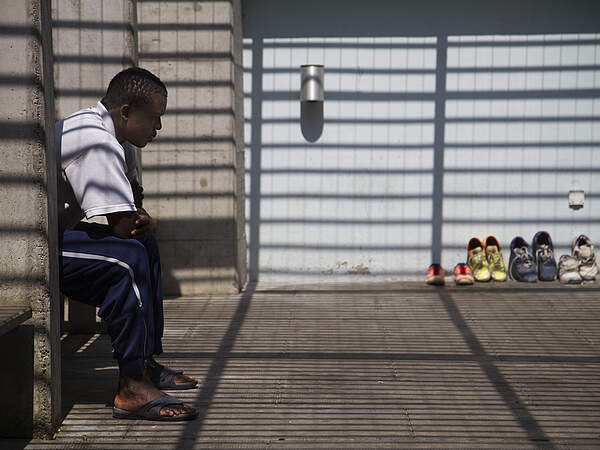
[93,40]
[190,173]
[28,223]
[192,179]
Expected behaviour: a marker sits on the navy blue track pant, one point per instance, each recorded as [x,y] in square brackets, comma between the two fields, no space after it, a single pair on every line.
[122,277]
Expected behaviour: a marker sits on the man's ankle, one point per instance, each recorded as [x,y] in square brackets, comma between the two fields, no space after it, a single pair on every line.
[127,381]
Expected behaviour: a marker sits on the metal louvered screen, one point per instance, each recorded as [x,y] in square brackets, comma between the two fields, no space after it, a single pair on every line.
[409,165]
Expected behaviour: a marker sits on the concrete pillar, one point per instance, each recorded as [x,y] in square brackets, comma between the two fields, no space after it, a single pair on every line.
[28,223]
[240,164]
[194,171]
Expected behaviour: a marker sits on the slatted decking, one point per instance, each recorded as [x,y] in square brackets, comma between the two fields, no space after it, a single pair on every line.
[392,365]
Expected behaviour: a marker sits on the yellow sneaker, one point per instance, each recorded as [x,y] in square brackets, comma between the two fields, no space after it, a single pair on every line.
[495,259]
[477,260]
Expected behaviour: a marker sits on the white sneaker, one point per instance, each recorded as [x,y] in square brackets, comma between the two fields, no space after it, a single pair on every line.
[583,250]
[568,270]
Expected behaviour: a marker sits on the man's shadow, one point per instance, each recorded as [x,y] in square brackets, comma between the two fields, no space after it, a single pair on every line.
[89,374]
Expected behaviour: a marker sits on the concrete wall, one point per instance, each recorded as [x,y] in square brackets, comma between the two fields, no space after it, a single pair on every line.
[193,171]
[190,174]
[28,225]
[442,121]
[93,40]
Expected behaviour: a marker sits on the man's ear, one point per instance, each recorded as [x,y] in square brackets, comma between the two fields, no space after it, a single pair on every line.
[124,112]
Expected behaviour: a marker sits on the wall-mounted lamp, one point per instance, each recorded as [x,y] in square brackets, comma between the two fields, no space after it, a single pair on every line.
[311,87]
[311,101]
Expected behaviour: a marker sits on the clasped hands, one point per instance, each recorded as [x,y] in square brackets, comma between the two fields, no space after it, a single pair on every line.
[131,225]
[143,226]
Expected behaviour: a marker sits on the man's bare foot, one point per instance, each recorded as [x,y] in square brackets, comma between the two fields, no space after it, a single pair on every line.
[153,373]
[135,392]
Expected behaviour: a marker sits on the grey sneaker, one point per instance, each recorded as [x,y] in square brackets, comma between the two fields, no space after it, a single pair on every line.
[583,251]
[543,251]
[568,270]
[521,265]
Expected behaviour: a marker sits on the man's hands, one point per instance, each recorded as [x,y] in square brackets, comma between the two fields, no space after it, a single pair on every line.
[144,226]
[131,225]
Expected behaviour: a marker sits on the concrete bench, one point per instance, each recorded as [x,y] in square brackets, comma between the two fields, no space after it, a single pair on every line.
[81,319]
[16,376]
[12,316]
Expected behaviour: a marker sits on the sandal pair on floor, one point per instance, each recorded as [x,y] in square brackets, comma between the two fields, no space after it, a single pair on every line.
[151,410]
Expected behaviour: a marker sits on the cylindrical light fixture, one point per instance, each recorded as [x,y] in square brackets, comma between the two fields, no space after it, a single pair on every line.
[311,79]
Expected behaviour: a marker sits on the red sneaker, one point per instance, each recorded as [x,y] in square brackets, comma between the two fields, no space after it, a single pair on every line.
[463,274]
[435,275]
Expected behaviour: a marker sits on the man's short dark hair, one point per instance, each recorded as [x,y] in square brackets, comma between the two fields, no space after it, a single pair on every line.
[133,86]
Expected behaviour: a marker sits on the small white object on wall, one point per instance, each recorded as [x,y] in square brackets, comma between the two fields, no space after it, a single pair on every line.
[576,198]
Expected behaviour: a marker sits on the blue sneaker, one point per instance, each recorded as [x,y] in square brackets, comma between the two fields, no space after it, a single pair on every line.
[544,256]
[521,266]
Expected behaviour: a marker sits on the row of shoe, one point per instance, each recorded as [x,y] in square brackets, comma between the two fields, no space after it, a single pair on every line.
[530,263]
[527,263]
[484,263]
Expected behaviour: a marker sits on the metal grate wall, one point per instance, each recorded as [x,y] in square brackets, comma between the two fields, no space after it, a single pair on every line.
[426,142]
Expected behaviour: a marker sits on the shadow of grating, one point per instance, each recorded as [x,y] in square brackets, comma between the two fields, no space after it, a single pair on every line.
[378,365]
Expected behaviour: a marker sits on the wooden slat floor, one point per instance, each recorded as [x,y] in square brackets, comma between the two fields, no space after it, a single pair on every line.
[348,366]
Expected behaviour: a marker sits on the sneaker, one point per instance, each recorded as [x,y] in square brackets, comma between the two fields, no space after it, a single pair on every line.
[568,270]
[521,266]
[583,250]
[463,274]
[435,275]
[495,259]
[477,261]
[543,251]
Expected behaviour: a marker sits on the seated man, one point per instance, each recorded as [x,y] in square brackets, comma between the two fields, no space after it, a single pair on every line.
[116,267]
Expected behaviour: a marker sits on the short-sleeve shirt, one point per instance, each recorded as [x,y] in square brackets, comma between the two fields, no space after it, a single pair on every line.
[96,169]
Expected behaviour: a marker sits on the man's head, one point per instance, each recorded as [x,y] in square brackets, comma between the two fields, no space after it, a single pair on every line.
[136,99]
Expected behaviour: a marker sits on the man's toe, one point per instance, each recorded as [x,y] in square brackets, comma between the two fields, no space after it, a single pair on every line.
[184,379]
[167,411]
